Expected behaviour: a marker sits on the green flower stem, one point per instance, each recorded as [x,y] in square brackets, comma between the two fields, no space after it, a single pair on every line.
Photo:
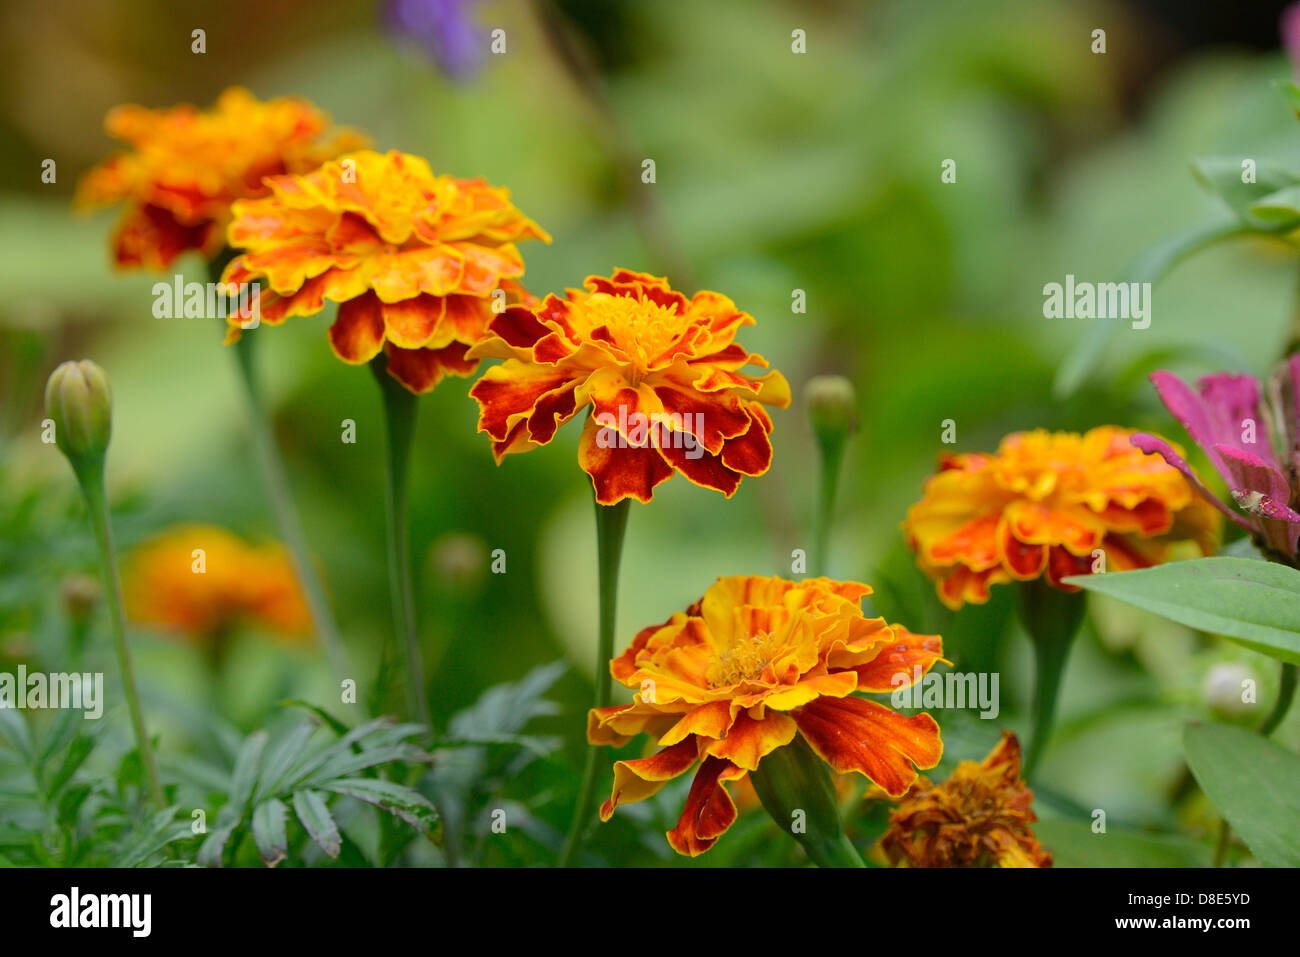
[1052,617]
[399,424]
[611,525]
[796,790]
[90,475]
[277,486]
[832,457]
[1285,694]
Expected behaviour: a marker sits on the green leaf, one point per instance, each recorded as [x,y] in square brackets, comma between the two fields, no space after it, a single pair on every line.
[1281,206]
[77,753]
[408,804]
[157,833]
[244,775]
[1255,785]
[279,761]
[269,831]
[337,726]
[13,729]
[315,817]
[1255,604]
[1074,844]
[1223,175]
[212,851]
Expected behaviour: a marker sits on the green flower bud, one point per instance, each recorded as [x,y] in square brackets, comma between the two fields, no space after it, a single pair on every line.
[79,401]
[832,406]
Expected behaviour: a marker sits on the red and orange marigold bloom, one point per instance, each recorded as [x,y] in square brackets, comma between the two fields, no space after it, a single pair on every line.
[660,374]
[746,668]
[202,581]
[186,166]
[413,259]
[1043,504]
[979,817]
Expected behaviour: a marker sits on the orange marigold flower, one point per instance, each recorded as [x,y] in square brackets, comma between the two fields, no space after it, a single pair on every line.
[412,258]
[746,668]
[203,581]
[186,166]
[979,817]
[660,372]
[1044,503]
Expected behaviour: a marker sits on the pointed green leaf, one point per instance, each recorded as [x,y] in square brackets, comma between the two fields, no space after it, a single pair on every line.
[269,831]
[316,819]
[1255,604]
[1255,785]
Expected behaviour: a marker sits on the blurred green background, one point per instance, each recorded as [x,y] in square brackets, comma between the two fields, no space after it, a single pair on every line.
[776,172]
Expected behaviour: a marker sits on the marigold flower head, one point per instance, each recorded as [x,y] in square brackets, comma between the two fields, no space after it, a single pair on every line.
[659,372]
[746,668]
[979,817]
[1042,504]
[203,581]
[412,258]
[186,166]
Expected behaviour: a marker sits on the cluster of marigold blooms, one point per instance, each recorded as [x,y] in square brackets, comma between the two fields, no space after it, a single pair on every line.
[424,268]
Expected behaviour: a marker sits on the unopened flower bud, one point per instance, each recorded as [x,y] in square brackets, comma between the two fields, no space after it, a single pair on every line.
[1230,689]
[79,401]
[832,406]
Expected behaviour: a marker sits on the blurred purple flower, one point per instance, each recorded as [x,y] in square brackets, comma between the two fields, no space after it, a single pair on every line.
[1289,29]
[1225,417]
[444,29]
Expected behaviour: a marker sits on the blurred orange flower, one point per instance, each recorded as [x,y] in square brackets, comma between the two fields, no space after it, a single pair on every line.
[660,372]
[413,259]
[1043,504]
[741,672]
[203,581]
[979,817]
[186,166]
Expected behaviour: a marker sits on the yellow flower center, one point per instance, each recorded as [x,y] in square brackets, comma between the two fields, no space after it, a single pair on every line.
[744,659]
[640,328]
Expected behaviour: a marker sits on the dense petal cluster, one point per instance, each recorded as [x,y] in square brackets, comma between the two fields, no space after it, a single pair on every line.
[186,166]
[659,372]
[413,259]
[979,817]
[1254,445]
[1043,505]
[203,581]
[746,668]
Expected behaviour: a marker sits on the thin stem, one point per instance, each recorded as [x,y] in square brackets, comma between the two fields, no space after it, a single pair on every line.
[399,427]
[611,524]
[91,478]
[1052,618]
[286,514]
[832,455]
[1285,694]
[1221,845]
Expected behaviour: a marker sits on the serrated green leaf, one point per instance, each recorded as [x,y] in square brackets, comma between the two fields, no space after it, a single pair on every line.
[408,804]
[316,819]
[78,751]
[269,831]
[337,726]
[279,760]
[1255,604]
[213,849]
[244,776]
[1255,785]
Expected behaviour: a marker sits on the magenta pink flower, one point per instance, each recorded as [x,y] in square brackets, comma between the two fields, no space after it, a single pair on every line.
[1252,444]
